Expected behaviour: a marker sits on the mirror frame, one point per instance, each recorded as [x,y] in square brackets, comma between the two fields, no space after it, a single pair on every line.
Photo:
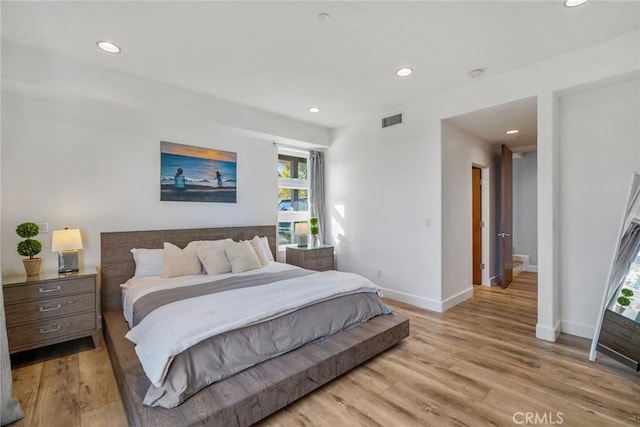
[631,207]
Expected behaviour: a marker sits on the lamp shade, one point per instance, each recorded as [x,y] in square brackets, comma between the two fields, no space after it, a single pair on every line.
[301,228]
[68,239]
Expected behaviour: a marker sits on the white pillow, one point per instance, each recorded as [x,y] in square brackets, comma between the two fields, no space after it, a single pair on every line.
[212,255]
[242,256]
[267,249]
[148,262]
[258,246]
[180,262]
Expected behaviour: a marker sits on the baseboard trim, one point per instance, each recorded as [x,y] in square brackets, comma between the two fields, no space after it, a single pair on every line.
[531,268]
[426,303]
[415,300]
[546,333]
[577,329]
[457,299]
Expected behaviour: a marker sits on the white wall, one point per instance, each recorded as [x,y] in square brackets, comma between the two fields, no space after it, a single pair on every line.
[525,206]
[90,157]
[389,181]
[599,150]
[461,151]
[382,213]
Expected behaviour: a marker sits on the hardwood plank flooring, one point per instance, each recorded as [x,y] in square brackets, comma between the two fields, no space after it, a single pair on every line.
[68,385]
[477,364]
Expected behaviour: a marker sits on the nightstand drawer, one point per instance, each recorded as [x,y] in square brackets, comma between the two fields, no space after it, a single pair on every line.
[620,344]
[628,324]
[319,253]
[49,289]
[319,264]
[621,331]
[33,311]
[22,336]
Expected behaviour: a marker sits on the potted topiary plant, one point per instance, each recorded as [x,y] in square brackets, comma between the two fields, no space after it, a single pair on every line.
[627,292]
[315,231]
[623,302]
[30,247]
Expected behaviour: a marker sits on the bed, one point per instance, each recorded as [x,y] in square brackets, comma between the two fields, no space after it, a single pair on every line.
[251,394]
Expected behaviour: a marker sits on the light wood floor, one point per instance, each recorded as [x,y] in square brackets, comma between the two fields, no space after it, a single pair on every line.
[477,364]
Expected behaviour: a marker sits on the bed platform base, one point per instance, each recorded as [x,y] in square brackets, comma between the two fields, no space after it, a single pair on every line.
[250,395]
[254,393]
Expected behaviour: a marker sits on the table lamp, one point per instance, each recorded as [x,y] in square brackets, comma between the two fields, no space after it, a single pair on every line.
[67,242]
[301,230]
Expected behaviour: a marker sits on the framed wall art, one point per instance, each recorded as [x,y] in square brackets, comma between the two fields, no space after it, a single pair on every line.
[196,174]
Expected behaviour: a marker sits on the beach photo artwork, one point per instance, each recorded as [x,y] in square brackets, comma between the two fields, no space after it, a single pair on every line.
[195,174]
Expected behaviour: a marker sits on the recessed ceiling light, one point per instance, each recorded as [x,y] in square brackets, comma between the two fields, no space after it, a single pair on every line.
[474,74]
[314,110]
[404,72]
[324,16]
[108,47]
[574,3]
[512,132]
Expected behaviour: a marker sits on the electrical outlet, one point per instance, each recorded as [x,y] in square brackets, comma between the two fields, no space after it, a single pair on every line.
[44,227]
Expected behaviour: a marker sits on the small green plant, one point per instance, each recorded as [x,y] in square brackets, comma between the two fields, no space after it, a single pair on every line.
[28,247]
[627,292]
[624,301]
[314,225]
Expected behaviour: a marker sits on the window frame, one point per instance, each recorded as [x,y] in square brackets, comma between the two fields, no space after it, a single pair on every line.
[293,183]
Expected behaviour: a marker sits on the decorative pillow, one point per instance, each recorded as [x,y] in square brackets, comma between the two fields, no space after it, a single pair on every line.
[267,249]
[242,256]
[148,262]
[180,262]
[258,246]
[212,255]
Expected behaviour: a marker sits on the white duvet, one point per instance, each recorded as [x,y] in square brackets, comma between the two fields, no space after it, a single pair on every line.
[173,328]
[138,287]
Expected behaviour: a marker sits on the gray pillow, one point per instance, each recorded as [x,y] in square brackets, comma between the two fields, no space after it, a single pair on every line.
[10,409]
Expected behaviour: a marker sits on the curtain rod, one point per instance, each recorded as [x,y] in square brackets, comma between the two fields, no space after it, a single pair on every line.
[293,147]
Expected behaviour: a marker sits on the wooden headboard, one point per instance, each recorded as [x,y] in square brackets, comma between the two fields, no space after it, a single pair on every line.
[117,261]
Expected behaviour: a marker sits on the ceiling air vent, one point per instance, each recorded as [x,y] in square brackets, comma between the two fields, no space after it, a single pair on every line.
[392,120]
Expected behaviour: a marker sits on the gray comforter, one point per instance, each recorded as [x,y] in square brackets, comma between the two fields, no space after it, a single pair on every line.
[223,355]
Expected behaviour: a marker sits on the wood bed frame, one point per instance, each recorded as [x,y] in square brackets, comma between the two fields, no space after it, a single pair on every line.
[252,394]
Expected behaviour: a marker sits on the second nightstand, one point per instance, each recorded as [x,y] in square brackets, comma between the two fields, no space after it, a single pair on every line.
[319,258]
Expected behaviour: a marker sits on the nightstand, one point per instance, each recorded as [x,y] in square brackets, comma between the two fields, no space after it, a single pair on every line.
[319,258]
[50,308]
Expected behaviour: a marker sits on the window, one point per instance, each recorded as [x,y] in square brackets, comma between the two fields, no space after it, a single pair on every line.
[293,192]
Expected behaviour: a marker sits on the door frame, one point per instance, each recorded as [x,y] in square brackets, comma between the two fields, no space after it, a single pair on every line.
[485,176]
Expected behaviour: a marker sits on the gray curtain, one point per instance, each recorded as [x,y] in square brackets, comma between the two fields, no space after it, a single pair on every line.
[9,407]
[629,246]
[316,189]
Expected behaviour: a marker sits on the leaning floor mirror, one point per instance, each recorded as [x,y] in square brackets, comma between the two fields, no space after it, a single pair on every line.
[618,329]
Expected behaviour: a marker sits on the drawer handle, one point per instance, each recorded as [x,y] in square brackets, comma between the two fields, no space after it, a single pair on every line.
[46,331]
[627,323]
[626,347]
[44,310]
[625,333]
[44,291]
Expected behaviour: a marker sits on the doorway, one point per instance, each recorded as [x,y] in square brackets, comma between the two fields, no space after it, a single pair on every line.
[476,223]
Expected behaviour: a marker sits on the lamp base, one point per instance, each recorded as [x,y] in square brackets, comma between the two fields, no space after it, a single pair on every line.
[302,240]
[68,261]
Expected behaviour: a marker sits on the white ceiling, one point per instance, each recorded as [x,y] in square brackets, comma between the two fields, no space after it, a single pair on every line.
[491,124]
[279,57]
